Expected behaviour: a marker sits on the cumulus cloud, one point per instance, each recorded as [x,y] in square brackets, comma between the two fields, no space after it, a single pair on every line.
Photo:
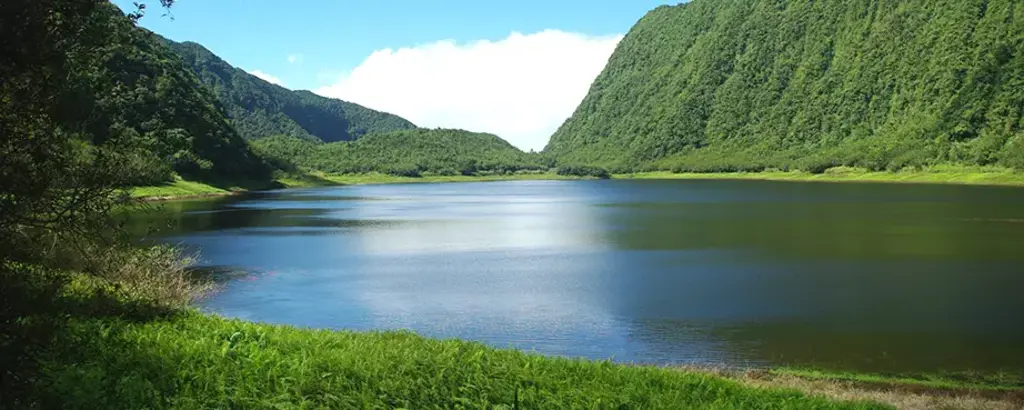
[266,77]
[521,88]
[295,58]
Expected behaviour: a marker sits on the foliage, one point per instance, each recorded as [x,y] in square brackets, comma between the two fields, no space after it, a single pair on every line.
[408,153]
[745,85]
[147,100]
[938,174]
[51,179]
[259,109]
[583,171]
[90,104]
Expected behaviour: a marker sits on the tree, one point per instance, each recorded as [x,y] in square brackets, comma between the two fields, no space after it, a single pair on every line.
[52,181]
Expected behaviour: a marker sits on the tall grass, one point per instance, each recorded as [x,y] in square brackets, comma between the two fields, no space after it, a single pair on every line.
[197,361]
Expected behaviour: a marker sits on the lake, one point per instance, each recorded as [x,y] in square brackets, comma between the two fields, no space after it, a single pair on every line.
[866,277]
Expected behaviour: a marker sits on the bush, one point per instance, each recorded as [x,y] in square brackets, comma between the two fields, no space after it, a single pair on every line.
[159,275]
[189,164]
[143,168]
[404,171]
[583,171]
[818,165]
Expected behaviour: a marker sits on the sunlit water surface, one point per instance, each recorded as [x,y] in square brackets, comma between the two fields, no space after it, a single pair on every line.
[847,276]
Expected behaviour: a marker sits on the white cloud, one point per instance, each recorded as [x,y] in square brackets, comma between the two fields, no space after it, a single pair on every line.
[521,88]
[266,77]
[295,58]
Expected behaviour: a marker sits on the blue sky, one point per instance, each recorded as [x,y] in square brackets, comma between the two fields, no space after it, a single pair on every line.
[326,46]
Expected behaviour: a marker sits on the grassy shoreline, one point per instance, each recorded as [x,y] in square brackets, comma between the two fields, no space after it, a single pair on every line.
[182,189]
[935,175]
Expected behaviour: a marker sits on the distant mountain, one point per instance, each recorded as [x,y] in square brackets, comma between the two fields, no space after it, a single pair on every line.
[720,85]
[406,152]
[259,109]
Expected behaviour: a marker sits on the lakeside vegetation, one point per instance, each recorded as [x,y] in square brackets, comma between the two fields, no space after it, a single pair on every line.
[179,188]
[992,176]
[931,175]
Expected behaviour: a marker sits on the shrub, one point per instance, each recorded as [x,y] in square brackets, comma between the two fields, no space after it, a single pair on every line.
[583,171]
[159,275]
[404,171]
[188,163]
[818,165]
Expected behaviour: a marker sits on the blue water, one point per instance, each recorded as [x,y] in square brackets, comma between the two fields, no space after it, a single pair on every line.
[846,276]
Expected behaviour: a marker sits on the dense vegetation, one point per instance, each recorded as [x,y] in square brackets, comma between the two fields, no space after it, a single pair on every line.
[741,85]
[132,102]
[260,109]
[402,153]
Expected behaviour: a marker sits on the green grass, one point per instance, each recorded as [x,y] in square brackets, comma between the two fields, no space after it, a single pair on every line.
[199,361]
[179,188]
[933,175]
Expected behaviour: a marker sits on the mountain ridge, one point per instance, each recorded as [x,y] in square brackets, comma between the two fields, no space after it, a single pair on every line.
[258,108]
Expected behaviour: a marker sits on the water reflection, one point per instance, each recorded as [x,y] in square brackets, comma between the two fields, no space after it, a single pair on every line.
[871,277]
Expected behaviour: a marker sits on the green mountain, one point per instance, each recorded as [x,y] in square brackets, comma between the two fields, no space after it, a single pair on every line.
[259,109]
[724,85]
[406,152]
[136,96]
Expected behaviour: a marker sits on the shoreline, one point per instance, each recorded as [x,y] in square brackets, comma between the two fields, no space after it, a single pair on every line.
[164,198]
[181,189]
[935,176]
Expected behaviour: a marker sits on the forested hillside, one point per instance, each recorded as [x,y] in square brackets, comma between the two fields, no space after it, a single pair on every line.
[133,102]
[259,109]
[405,153]
[725,85]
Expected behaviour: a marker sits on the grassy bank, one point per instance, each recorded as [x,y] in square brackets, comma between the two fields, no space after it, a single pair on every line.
[935,175]
[911,393]
[197,361]
[117,352]
[180,188]
[986,383]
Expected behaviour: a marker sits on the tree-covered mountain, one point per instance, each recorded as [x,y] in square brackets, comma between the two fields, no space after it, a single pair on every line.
[126,97]
[405,152]
[718,85]
[259,109]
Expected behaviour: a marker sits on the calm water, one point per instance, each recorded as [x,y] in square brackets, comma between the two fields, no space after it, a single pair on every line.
[849,276]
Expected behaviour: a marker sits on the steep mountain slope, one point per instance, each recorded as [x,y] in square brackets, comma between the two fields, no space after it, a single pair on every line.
[143,101]
[260,109]
[406,152]
[717,85]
